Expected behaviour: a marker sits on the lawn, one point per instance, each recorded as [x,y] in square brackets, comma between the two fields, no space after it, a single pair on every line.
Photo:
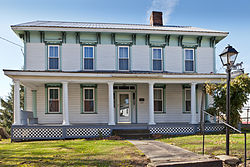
[214,144]
[70,153]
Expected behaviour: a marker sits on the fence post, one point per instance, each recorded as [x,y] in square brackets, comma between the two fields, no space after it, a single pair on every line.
[245,161]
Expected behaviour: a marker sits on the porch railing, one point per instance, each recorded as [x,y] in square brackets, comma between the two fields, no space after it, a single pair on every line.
[203,131]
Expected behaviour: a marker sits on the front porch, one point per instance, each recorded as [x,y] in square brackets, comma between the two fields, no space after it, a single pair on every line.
[77,105]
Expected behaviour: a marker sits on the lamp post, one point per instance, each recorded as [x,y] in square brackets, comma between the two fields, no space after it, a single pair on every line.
[228,57]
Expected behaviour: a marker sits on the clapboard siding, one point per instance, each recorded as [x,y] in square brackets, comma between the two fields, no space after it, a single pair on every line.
[28,95]
[173,59]
[173,106]
[142,107]
[71,58]
[35,56]
[105,57]
[75,105]
[205,60]
[42,117]
[140,58]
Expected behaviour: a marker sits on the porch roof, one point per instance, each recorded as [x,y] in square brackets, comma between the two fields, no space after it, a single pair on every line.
[110,76]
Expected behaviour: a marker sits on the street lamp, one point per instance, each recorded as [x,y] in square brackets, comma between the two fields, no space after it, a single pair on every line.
[228,57]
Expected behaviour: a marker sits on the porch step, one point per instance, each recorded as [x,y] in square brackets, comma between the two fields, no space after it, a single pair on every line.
[203,163]
[131,133]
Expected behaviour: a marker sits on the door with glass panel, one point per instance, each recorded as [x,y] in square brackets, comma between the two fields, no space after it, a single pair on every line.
[124,107]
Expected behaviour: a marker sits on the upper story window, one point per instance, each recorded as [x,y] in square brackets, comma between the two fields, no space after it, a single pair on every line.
[158,99]
[187,100]
[123,54]
[53,57]
[88,100]
[157,59]
[189,60]
[54,100]
[88,57]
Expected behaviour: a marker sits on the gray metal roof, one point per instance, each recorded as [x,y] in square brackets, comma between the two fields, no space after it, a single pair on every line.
[63,24]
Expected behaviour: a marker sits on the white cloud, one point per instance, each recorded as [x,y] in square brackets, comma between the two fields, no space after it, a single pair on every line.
[165,6]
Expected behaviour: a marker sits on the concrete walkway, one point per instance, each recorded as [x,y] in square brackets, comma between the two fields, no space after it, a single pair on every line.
[162,154]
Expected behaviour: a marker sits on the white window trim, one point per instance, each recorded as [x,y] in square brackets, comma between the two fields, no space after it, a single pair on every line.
[123,58]
[187,99]
[156,59]
[54,58]
[160,100]
[188,60]
[59,109]
[88,58]
[88,100]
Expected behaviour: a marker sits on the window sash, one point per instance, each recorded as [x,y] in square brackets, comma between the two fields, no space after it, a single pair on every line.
[154,53]
[53,101]
[90,101]
[88,63]
[123,52]
[53,55]
[88,51]
[189,65]
[189,60]
[158,100]
[88,57]
[187,100]
[123,58]
[157,59]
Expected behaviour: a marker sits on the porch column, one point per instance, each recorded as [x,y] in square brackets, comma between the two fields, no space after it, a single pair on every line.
[111,104]
[151,103]
[193,103]
[65,104]
[17,109]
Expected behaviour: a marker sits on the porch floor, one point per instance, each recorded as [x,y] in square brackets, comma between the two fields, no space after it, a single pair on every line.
[117,126]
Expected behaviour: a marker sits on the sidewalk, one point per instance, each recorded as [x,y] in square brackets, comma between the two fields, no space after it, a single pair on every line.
[162,154]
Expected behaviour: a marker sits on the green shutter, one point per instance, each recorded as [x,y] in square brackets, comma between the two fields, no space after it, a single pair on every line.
[164,100]
[46,100]
[61,104]
[183,100]
[34,103]
[81,57]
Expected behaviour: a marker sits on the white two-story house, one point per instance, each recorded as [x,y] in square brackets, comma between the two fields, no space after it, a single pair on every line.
[80,75]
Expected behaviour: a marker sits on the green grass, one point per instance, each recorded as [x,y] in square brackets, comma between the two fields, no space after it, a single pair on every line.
[70,153]
[214,144]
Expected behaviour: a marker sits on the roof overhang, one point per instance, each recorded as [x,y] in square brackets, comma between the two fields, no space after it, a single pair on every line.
[104,77]
[118,30]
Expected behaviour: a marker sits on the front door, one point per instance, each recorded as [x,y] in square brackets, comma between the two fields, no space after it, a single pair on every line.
[124,107]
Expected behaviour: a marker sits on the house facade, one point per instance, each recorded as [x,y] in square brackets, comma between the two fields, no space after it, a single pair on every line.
[83,74]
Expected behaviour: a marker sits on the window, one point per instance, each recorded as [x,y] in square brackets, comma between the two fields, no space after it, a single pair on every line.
[158,99]
[187,100]
[53,54]
[88,100]
[54,100]
[88,54]
[123,52]
[157,59]
[189,60]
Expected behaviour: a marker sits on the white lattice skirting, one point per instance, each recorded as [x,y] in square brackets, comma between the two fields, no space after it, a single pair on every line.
[58,132]
[184,130]
[64,132]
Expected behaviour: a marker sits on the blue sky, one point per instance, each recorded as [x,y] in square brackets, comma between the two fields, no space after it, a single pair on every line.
[225,15]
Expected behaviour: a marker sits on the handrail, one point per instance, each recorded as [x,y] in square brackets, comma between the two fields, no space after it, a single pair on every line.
[233,128]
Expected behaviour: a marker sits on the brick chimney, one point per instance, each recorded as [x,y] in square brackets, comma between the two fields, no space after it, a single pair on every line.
[156,18]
